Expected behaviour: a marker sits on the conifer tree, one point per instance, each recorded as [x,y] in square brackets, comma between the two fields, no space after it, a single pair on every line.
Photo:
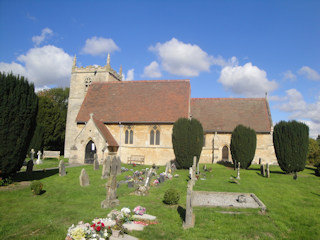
[18,109]
[243,146]
[187,141]
[290,140]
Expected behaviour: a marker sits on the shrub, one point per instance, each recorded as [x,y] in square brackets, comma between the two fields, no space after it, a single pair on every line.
[313,157]
[36,187]
[171,196]
[18,107]
[5,181]
[187,141]
[290,140]
[243,146]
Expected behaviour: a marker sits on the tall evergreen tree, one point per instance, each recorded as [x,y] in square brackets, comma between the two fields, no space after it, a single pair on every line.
[187,141]
[290,140]
[243,146]
[18,108]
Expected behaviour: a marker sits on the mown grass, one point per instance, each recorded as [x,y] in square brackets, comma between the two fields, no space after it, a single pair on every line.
[292,206]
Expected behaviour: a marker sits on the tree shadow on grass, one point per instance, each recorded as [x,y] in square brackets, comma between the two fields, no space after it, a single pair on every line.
[226,164]
[182,212]
[36,175]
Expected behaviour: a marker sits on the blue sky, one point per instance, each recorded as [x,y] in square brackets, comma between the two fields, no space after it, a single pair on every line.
[226,48]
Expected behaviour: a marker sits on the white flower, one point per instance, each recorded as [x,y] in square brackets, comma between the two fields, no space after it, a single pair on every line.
[125,210]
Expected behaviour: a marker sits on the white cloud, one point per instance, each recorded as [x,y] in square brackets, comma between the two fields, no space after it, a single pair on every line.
[288,75]
[184,59]
[99,46]
[246,80]
[47,65]
[130,75]
[309,73]
[301,111]
[46,32]
[152,70]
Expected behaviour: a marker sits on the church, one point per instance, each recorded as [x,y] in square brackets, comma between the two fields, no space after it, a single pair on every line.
[134,119]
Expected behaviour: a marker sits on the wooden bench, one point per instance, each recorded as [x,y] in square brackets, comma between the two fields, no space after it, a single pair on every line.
[51,154]
[137,159]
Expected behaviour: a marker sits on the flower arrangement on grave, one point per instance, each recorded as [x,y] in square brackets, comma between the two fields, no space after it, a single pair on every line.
[139,210]
[86,231]
[134,164]
[124,169]
[155,182]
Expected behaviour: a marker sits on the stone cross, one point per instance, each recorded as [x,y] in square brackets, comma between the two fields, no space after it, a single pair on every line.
[84,178]
[189,217]
[268,170]
[95,162]
[118,165]
[29,166]
[39,157]
[62,168]
[32,154]
[111,198]
[238,171]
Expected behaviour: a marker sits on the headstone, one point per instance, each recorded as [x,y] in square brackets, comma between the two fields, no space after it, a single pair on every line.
[161,179]
[29,166]
[62,168]
[118,165]
[168,167]
[263,170]
[205,167]
[32,154]
[95,162]
[268,170]
[190,172]
[84,178]
[198,170]
[173,167]
[238,171]
[189,217]
[114,165]
[111,199]
[107,167]
[39,158]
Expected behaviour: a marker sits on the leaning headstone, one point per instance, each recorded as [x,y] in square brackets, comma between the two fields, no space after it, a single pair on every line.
[111,199]
[263,170]
[118,165]
[268,170]
[39,157]
[114,166]
[95,162]
[62,168]
[189,217]
[29,166]
[84,178]
[32,154]
[238,171]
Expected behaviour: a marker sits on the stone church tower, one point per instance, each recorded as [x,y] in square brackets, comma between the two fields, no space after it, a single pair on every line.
[81,79]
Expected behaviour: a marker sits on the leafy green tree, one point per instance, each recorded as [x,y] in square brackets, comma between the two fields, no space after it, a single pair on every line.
[18,108]
[51,119]
[243,146]
[290,140]
[313,157]
[187,141]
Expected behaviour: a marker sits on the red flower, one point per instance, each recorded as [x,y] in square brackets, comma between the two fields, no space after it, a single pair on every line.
[102,224]
[93,225]
[98,229]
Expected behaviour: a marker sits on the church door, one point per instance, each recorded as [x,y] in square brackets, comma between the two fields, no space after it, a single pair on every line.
[90,151]
[225,153]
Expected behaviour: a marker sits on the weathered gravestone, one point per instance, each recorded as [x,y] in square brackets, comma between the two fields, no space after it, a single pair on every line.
[29,166]
[62,168]
[161,179]
[114,166]
[263,170]
[168,168]
[39,158]
[106,168]
[238,171]
[111,199]
[268,170]
[189,217]
[95,162]
[32,154]
[84,178]
[118,165]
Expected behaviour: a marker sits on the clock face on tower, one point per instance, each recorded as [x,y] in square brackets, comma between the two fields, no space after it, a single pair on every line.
[87,82]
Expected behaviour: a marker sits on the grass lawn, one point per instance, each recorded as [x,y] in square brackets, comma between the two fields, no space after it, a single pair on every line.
[293,206]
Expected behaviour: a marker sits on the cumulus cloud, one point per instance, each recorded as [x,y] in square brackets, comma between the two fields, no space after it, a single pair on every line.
[247,80]
[99,46]
[309,73]
[288,75]
[301,111]
[152,70]
[46,32]
[48,65]
[129,76]
[184,59]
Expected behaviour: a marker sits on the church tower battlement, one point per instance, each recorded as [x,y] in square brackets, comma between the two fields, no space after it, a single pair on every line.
[81,79]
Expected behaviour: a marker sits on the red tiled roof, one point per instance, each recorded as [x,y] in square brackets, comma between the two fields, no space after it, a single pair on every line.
[224,114]
[105,133]
[136,101]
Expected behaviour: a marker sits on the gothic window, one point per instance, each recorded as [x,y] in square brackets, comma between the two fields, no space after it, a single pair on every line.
[88,82]
[128,138]
[225,153]
[155,136]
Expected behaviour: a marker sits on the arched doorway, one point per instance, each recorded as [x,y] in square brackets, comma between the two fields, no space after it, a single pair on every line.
[90,151]
[225,153]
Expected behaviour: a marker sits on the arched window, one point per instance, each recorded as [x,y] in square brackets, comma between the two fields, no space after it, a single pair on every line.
[131,137]
[155,136]
[128,138]
[225,153]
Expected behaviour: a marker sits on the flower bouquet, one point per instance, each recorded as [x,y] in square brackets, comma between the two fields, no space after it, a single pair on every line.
[139,210]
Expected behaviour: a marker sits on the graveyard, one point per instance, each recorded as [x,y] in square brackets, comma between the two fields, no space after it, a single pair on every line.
[292,206]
